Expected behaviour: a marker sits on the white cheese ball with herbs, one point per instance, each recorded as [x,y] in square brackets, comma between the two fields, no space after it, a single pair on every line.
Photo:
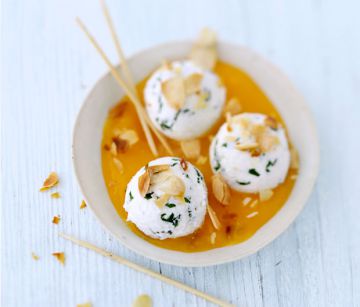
[243,170]
[161,216]
[200,110]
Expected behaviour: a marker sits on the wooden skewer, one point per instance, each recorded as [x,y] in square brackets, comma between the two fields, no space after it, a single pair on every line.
[128,91]
[128,75]
[144,270]
[119,50]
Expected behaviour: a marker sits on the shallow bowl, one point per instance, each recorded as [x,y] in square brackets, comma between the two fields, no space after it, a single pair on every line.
[88,131]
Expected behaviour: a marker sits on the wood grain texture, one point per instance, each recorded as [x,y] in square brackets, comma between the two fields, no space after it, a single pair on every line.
[47,69]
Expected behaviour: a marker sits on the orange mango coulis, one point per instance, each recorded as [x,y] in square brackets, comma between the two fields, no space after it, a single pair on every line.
[236,227]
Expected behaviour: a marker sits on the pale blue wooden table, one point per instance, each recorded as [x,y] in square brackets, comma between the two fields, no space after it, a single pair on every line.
[47,69]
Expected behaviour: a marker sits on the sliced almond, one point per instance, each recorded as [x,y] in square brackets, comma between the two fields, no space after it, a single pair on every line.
[207,38]
[294,158]
[246,146]
[160,177]
[119,165]
[204,51]
[174,92]
[271,122]
[56,220]
[129,135]
[268,142]
[254,203]
[154,169]
[191,149]
[113,149]
[60,257]
[50,182]
[213,217]
[83,204]
[88,304]
[220,189]
[118,110]
[121,145]
[173,186]
[34,256]
[213,238]
[251,215]
[246,201]
[55,195]
[228,121]
[201,160]
[193,83]
[233,106]
[144,182]
[143,301]
[265,195]
[162,200]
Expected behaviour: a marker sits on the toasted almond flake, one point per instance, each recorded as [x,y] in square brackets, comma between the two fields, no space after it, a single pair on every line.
[293,177]
[246,146]
[193,83]
[230,138]
[268,142]
[121,145]
[119,165]
[129,135]
[83,204]
[50,182]
[183,164]
[271,122]
[233,106]
[294,158]
[34,256]
[191,149]
[55,195]
[143,300]
[56,220]
[201,160]
[113,149]
[174,92]
[228,121]
[207,38]
[88,304]
[254,203]
[144,182]
[60,257]
[154,169]
[173,186]
[220,189]
[118,110]
[251,215]
[160,177]
[257,130]
[213,237]
[265,195]
[162,200]
[213,217]
[204,51]
[201,104]
[246,201]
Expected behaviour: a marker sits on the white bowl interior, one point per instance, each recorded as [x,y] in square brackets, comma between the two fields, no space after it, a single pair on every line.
[87,155]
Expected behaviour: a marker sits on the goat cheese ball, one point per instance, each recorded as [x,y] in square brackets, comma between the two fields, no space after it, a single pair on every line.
[167,198]
[183,100]
[251,152]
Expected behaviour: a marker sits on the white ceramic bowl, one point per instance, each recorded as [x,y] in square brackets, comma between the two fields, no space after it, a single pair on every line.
[289,102]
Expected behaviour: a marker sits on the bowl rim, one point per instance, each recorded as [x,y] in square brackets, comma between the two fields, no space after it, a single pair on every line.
[229,258]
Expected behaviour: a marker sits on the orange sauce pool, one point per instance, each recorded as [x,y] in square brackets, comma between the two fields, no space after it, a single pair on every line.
[236,227]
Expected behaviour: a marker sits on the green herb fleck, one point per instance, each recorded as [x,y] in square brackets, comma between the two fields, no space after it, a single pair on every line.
[171,219]
[254,172]
[149,195]
[217,166]
[243,182]
[270,164]
[170,205]
[189,212]
[164,126]
[172,165]
[187,200]
[224,145]
[131,196]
